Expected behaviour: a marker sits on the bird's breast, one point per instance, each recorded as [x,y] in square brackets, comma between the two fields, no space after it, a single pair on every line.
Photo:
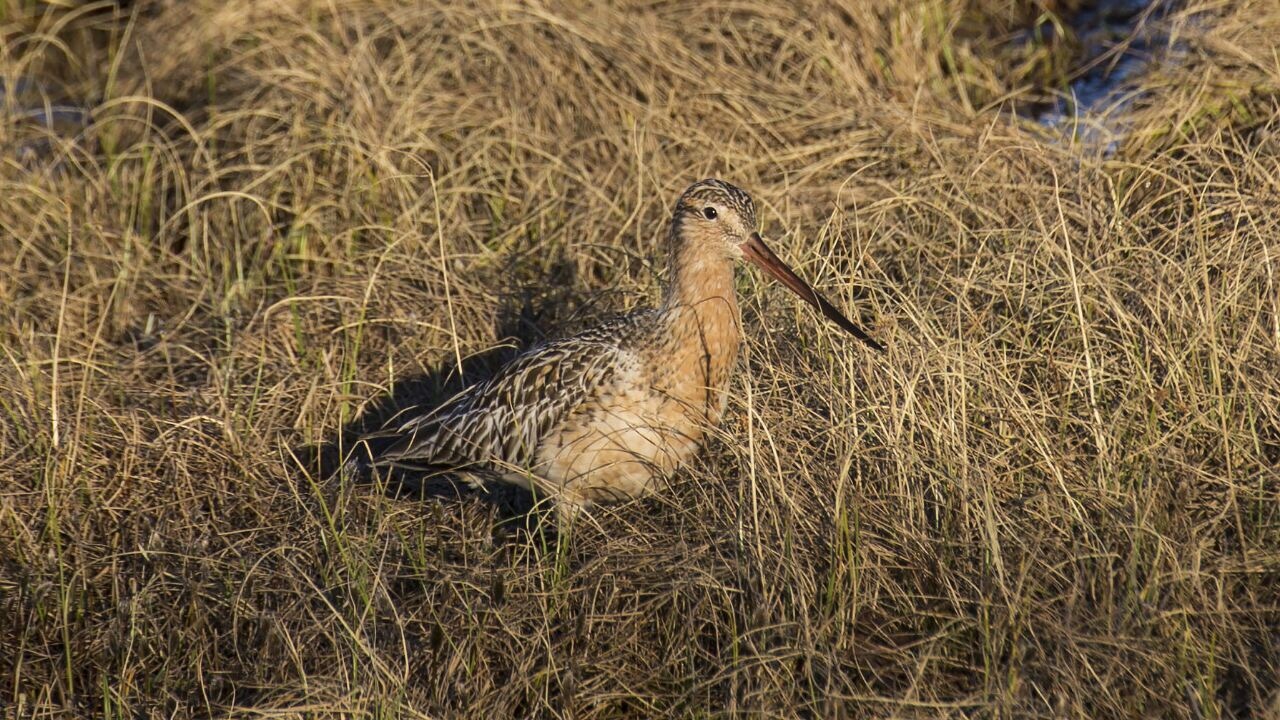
[693,367]
[655,412]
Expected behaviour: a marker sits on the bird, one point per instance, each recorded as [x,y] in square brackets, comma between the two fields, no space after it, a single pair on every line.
[602,415]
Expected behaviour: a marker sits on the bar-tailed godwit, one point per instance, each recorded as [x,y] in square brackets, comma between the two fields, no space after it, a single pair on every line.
[600,415]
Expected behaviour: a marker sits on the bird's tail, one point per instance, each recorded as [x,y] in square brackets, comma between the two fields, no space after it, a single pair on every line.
[365,454]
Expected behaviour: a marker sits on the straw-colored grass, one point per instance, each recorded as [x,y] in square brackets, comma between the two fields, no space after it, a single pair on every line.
[1056,496]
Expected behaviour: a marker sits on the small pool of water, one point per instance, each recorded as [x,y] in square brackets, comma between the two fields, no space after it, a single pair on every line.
[1121,40]
[36,119]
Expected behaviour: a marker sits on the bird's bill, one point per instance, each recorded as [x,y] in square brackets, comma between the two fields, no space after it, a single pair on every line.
[758,253]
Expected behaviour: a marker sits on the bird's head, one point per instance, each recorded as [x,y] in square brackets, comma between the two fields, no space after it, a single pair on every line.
[716,215]
[712,213]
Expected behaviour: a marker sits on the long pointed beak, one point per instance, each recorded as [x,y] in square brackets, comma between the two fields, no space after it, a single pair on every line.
[757,252]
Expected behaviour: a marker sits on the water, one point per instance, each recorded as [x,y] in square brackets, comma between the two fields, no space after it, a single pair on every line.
[1122,40]
[25,105]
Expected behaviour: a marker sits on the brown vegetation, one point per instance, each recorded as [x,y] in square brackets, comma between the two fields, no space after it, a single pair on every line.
[1056,496]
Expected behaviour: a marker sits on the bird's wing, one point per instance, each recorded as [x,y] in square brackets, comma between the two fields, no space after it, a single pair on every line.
[503,420]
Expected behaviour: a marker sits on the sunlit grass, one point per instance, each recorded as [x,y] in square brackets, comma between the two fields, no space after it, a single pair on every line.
[1055,496]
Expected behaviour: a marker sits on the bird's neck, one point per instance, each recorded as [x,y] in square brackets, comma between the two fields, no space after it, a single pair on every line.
[700,276]
[700,315]
[700,282]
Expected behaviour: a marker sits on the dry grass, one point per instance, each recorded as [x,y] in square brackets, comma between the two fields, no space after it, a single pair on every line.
[1057,496]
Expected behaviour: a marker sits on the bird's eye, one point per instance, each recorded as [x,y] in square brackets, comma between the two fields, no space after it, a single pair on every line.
[709,213]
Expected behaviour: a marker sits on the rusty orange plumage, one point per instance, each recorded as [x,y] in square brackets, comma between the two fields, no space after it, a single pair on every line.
[600,415]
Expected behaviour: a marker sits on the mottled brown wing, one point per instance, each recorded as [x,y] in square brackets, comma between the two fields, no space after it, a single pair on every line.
[504,420]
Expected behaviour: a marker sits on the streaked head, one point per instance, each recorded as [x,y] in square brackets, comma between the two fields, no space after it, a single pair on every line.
[715,213]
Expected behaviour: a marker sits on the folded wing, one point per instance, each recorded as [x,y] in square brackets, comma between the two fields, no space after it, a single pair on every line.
[503,421]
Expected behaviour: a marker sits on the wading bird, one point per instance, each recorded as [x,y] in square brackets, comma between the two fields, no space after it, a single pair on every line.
[599,416]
